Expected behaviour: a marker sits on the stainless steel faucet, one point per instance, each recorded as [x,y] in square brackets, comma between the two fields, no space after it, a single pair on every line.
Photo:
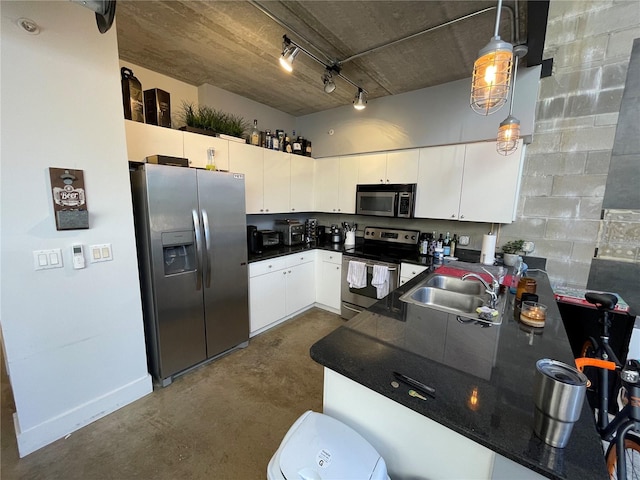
[492,288]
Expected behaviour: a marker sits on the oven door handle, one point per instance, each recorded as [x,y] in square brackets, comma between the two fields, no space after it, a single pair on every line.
[391,269]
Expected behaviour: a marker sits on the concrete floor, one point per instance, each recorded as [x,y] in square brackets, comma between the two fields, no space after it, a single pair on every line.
[223,420]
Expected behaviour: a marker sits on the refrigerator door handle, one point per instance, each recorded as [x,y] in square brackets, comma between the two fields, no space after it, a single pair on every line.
[207,248]
[196,226]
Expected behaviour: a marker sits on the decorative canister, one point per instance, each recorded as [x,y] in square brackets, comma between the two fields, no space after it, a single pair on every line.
[525,285]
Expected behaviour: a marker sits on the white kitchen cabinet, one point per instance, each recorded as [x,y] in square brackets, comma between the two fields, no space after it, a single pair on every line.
[402,166]
[347,182]
[328,279]
[469,182]
[439,182]
[267,293]
[279,288]
[302,184]
[249,159]
[372,168]
[326,178]
[144,140]
[410,270]
[276,181]
[490,184]
[196,147]
[399,166]
[301,282]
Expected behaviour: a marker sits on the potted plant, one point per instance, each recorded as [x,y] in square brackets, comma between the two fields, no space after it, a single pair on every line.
[209,121]
[511,250]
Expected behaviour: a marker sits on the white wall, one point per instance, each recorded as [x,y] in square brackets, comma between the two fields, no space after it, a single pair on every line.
[179,91]
[73,339]
[437,115]
[268,118]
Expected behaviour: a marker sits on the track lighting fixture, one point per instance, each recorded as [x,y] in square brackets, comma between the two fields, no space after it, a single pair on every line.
[509,131]
[327,80]
[492,73]
[332,69]
[360,101]
[289,53]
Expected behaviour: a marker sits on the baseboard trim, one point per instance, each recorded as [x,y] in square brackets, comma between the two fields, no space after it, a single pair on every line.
[58,427]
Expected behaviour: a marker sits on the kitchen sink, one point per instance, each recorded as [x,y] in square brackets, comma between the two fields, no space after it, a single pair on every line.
[448,300]
[454,284]
[453,295]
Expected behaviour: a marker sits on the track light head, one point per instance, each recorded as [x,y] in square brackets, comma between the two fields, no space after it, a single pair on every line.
[327,80]
[289,54]
[360,101]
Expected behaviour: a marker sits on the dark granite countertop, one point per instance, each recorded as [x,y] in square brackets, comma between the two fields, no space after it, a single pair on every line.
[483,376]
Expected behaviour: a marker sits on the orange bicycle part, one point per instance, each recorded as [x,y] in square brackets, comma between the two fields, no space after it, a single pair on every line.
[593,362]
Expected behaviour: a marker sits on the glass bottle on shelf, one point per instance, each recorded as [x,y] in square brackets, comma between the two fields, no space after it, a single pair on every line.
[446,244]
[255,134]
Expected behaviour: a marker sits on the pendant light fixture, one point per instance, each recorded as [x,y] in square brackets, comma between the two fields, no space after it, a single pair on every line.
[360,101]
[492,73]
[509,131]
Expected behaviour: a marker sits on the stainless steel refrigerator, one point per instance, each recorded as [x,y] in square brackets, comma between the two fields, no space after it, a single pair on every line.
[192,251]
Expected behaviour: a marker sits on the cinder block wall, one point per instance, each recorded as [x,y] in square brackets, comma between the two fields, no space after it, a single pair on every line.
[567,164]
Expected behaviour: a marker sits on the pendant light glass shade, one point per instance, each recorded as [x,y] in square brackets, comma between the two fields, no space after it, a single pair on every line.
[508,136]
[491,77]
[360,102]
[288,56]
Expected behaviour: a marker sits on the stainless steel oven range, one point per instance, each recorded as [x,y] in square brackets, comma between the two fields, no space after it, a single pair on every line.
[382,246]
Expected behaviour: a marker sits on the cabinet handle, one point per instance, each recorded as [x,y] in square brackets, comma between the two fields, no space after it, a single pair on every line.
[261,210]
[266,210]
[284,273]
[381,181]
[289,271]
[293,209]
[339,210]
[337,268]
[270,266]
[453,215]
[461,216]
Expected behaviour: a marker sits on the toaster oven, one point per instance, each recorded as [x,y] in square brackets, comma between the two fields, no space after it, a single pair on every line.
[293,232]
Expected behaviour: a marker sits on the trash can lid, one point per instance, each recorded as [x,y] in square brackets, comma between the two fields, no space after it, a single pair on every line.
[323,447]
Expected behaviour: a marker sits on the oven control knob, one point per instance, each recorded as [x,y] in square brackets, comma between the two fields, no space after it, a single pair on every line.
[406,237]
[413,237]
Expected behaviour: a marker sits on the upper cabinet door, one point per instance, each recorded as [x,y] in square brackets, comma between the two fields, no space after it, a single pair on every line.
[302,192]
[144,140]
[372,168]
[277,181]
[196,149]
[439,182]
[491,183]
[326,179]
[249,159]
[348,180]
[402,166]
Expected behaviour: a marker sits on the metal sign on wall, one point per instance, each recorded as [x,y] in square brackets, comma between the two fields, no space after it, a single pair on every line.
[69,198]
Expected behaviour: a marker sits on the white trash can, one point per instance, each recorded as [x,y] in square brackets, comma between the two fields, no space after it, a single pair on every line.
[319,447]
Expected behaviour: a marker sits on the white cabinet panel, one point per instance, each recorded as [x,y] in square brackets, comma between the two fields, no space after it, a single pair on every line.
[409,271]
[402,166]
[490,184]
[439,182]
[372,168]
[302,191]
[301,287]
[249,159]
[267,299]
[328,278]
[196,148]
[277,181]
[349,168]
[326,175]
[144,140]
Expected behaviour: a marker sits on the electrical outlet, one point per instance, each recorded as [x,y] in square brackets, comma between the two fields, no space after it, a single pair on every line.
[528,247]
[464,240]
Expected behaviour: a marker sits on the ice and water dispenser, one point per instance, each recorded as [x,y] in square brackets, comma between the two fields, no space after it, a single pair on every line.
[179,252]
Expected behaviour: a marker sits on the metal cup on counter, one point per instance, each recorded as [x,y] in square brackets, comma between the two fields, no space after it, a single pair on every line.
[558,393]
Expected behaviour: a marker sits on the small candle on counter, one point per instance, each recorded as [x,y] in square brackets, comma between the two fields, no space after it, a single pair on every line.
[533,314]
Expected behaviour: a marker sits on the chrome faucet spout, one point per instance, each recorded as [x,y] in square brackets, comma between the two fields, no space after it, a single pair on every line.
[491,289]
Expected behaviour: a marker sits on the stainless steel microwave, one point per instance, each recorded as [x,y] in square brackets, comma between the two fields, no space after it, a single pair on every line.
[386,200]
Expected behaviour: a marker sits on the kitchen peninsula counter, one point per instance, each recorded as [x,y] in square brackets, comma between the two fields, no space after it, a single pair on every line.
[483,377]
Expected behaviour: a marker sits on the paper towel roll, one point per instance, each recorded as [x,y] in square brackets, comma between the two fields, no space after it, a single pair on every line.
[488,252]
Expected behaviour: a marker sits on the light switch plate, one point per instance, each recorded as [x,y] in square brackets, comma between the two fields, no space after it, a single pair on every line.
[100,253]
[47,259]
